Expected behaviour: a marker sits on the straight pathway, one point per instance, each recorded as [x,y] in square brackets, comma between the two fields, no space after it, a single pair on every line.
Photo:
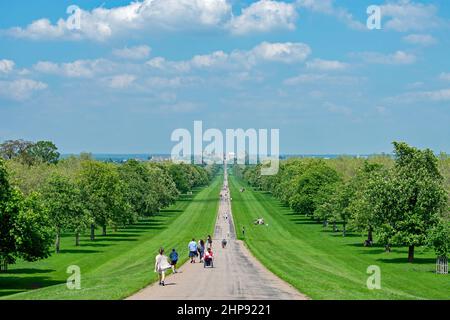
[236,275]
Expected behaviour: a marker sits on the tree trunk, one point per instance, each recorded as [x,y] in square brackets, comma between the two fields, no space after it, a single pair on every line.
[334,226]
[58,241]
[370,235]
[92,232]
[77,239]
[411,254]
[3,266]
[344,231]
[104,230]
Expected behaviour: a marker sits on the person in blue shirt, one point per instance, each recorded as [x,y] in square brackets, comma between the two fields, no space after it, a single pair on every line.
[192,250]
[174,260]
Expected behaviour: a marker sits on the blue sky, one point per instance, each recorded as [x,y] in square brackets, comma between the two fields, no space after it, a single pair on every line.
[135,72]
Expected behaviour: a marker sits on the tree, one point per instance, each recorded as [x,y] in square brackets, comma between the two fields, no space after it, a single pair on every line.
[19,149]
[439,239]
[44,151]
[138,187]
[362,213]
[24,229]
[62,200]
[103,193]
[308,186]
[410,200]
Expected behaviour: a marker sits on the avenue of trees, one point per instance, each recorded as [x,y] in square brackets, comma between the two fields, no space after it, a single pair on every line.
[42,197]
[402,200]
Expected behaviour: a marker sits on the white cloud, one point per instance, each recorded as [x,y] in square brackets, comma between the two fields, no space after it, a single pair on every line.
[313,78]
[327,7]
[287,52]
[133,53]
[101,23]
[121,81]
[326,65]
[420,39]
[76,69]
[21,89]
[263,16]
[396,58]
[406,15]
[6,66]
[418,96]
[445,76]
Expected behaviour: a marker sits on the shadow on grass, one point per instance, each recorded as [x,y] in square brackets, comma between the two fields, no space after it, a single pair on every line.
[405,260]
[76,251]
[25,283]
[27,271]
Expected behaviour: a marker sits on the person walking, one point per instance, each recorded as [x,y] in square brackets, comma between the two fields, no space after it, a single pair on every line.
[192,250]
[161,265]
[174,260]
[243,231]
[201,249]
[210,242]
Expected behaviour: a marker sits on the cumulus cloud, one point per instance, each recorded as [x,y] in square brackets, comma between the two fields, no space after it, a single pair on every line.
[75,69]
[287,52]
[101,23]
[133,53]
[20,89]
[420,39]
[396,58]
[6,66]
[263,16]
[121,81]
[406,15]
[327,7]
[326,65]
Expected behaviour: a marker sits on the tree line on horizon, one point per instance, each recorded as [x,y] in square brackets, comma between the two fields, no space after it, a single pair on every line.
[402,200]
[43,197]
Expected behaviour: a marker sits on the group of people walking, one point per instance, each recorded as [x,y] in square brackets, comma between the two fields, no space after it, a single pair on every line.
[200,249]
[196,249]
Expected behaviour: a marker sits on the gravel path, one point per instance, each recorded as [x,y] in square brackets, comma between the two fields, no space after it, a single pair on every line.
[236,275]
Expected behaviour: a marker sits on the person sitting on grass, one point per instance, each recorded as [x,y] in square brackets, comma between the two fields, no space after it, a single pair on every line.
[174,260]
[161,265]
[192,250]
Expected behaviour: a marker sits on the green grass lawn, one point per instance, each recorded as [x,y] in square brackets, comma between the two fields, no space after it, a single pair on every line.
[120,264]
[325,265]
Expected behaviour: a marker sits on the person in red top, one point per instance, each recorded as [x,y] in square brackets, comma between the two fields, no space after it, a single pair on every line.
[208,257]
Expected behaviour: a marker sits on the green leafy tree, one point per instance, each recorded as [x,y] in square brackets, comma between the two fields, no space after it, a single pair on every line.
[409,202]
[439,239]
[103,194]
[24,229]
[63,202]
[44,151]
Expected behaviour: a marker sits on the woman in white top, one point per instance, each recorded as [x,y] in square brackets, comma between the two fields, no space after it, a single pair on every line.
[161,265]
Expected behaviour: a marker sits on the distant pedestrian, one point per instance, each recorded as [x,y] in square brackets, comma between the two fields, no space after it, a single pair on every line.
[174,260]
[161,265]
[210,242]
[201,249]
[243,231]
[192,250]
